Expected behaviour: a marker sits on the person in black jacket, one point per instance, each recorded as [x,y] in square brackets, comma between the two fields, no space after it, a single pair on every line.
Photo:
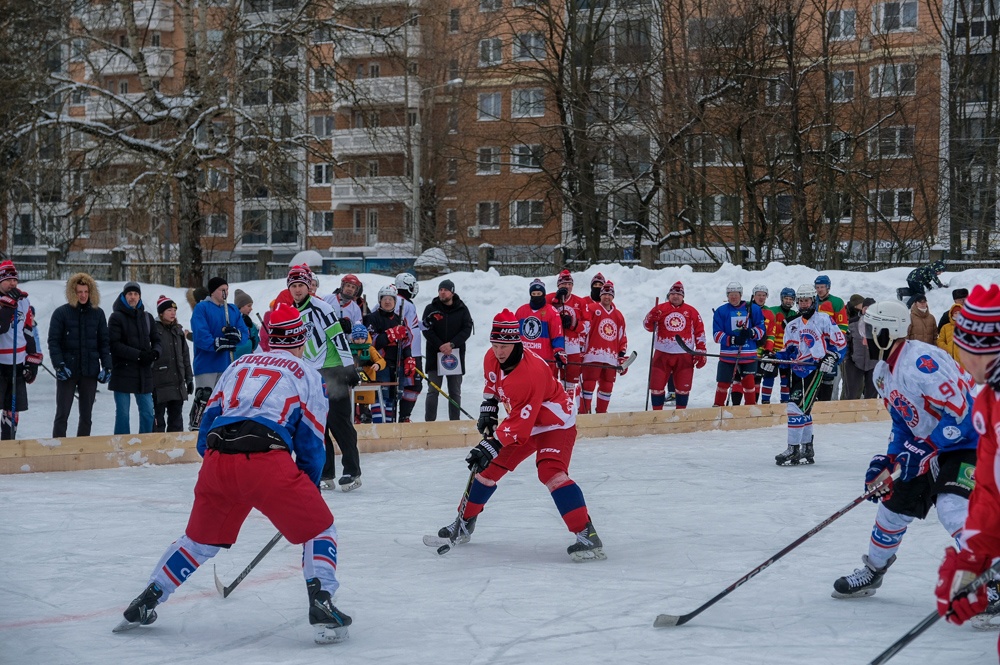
[447,325]
[135,346]
[80,350]
[173,378]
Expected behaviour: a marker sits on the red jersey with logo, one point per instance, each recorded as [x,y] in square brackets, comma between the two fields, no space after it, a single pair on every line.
[982,526]
[683,320]
[607,336]
[541,330]
[535,401]
[575,337]
[770,331]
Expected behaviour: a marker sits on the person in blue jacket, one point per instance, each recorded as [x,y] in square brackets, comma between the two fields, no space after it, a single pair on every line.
[217,329]
[737,326]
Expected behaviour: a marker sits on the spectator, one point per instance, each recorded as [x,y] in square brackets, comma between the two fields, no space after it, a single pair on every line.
[946,326]
[390,336]
[923,327]
[447,325]
[195,296]
[173,380]
[736,327]
[25,358]
[835,307]
[923,279]
[135,346]
[218,328]
[80,351]
[244,304]
[369,363]
[858,365]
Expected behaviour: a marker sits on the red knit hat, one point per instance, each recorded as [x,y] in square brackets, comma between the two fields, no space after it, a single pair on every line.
[608,288]
[285,328]
[164,303]
[977,324]
[506,329]
[565,277]
[299,275]
[676,288]
[598,280]
[7,270]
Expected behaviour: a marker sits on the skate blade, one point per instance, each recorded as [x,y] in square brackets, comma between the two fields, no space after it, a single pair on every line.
[325,486]
[986,622]
[351,486]
[864,593]
[787,462]
[330,633]
[124,625]
[596,554]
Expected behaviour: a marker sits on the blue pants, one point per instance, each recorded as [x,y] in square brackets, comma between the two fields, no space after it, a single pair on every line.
[122,404]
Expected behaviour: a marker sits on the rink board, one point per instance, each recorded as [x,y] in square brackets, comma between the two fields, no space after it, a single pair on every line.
[102,452]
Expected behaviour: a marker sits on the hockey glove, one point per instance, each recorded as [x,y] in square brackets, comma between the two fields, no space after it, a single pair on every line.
[700,361]
[957,570]
[8,301]
[63,373]
[567,319]
[766,366]
[829,363]
[488,417]
[621,360]
[560,358]
[410,367]
[396,334]
[31,363]
[879,473]
[104,376]
[225,343]
[485,452]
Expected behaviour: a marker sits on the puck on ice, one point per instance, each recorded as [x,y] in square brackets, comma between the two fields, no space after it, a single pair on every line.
[444,549]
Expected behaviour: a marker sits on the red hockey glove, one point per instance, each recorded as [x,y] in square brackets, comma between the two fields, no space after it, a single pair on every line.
[957,570]
[410,367]
[560,358]
[700,360]
[396,334]
[621,360]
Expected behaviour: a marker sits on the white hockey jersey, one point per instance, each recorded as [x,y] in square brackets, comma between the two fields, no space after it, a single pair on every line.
[24,320]
[351,310]
[811,340]
[408,313]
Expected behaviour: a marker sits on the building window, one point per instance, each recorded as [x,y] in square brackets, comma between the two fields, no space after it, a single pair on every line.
[123,87]
[526,213]
[453,120]
[323,126]
[893,204]
[976,18]
[451,220]
[841,147]
[374,70]
[526,158]
[488,162]
[529,46]
[720,209]
[453,20]
[323,34]
[452,171]
[838,207]
[841,24]
[489,106]
[213,179]
[890,142]
[489,5]
[321,221]
[254,223]
[778,90]
[527,103]
[217,224]
[373,168]
[710,150]
[714,32]
[284,227]
[488,214]
[359,220]
[778,208]
[632,41]
[77,97]
[78,49]
[894,16]
[843,85]
[322,174]
[323,78]
[490,52]
[372,221]
[892,80]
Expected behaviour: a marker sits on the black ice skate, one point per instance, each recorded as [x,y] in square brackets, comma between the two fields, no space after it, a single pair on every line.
[348,483]
[588,546]
[330,623]
[140,611]
[862,582]
[790,457]
[807,453]
[989,619]
[459,531]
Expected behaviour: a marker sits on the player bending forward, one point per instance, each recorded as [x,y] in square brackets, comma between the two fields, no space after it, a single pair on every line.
[932,442]
[266,406]
[541,420]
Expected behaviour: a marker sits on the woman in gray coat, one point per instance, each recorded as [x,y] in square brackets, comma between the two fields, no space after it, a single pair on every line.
[173,379]
[859,367]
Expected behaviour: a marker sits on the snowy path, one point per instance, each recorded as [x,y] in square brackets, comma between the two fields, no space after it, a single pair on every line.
[682,517]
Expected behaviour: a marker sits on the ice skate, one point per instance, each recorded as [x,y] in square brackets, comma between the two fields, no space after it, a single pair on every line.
[862,582]
[459,531]
[790,457]
[348,483]
[330,623]
[326,484]
[807,453]
[140,611]
[588,546]
[989,619]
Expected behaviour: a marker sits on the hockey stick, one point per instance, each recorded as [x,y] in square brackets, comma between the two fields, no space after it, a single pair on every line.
[931,618]
[443,393]
[694,352]
[226,590]
[444,549]
[652,348]
[225,308]
[13,379]
[667,620]
[618,368]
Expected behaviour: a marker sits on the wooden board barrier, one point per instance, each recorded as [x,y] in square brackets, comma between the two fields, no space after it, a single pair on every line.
[105,452]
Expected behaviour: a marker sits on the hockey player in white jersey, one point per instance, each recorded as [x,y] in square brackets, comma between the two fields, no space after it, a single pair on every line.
[817,343]
[932,442]
[407,288]
[265,408]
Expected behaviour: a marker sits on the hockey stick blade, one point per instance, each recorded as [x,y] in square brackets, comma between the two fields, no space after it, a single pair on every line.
[628,361]
[226,590]
[667,621]
[219,586]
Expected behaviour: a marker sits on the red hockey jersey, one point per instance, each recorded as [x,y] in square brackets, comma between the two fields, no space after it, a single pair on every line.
[607,336]
[541,330]
[684,321]
[982,526]
[535,401]
[575,337]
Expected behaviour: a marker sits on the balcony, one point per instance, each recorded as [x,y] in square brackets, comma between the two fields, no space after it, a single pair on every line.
[387,42]
[369,191]
[153,15]
[104,108]
[374,141]
[159,62]
[385,91]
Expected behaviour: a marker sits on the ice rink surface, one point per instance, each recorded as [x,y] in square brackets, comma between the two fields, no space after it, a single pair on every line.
[682,517]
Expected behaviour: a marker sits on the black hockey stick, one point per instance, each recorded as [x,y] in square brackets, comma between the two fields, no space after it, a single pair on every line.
[667,620]
[430,541]
[618,368]
[443,393]
[226,590]
[694,352]
[652,350]
[931,618]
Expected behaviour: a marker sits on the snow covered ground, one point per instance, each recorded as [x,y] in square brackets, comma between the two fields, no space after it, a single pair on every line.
[487,293]
[682,517]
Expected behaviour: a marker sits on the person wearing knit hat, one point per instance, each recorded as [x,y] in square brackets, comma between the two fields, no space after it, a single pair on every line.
[670,362]
[262,444]
[574,314]
[135,347]
[8,271]
[606,351]
[446,327]
[217,329]
[542,328]
[595,287]
[541,421]
[18,367]
[244,303]
[173,378]
[977,335]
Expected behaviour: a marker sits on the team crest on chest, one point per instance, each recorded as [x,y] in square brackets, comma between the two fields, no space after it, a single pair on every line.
[608,329]
[927,365]
[675,322]
[979,423]
[531,328]
[904,408]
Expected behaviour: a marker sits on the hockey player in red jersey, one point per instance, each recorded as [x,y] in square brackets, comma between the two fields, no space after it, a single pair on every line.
[666,321]
[541,421]
[606,350]
[574,314]
[541,328]
[977,335]
[265,407]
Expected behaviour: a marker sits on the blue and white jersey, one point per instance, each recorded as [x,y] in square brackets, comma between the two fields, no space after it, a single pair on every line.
[810,341]
[928,396]
[279,391]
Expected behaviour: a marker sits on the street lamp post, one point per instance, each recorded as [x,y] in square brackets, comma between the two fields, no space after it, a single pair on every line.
[416,216]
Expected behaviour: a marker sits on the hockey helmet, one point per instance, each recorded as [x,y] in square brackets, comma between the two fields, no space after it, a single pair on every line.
[350,279]
[806,291]
[787,292]
[888,315]
[760,288]
[734,287]
[388,290]
[823,280]
[407,282]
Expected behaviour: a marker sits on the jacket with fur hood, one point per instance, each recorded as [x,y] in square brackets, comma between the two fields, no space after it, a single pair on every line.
[78,333]
[923,326]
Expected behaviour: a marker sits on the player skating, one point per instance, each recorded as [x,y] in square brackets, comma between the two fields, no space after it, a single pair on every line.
[932,441]
[541,421]
[265,407]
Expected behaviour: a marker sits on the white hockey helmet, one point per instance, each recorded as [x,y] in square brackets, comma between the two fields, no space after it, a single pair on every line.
[890,315]
[389,290]
[407,282]
[760,288]
[805,291]
[734,287]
